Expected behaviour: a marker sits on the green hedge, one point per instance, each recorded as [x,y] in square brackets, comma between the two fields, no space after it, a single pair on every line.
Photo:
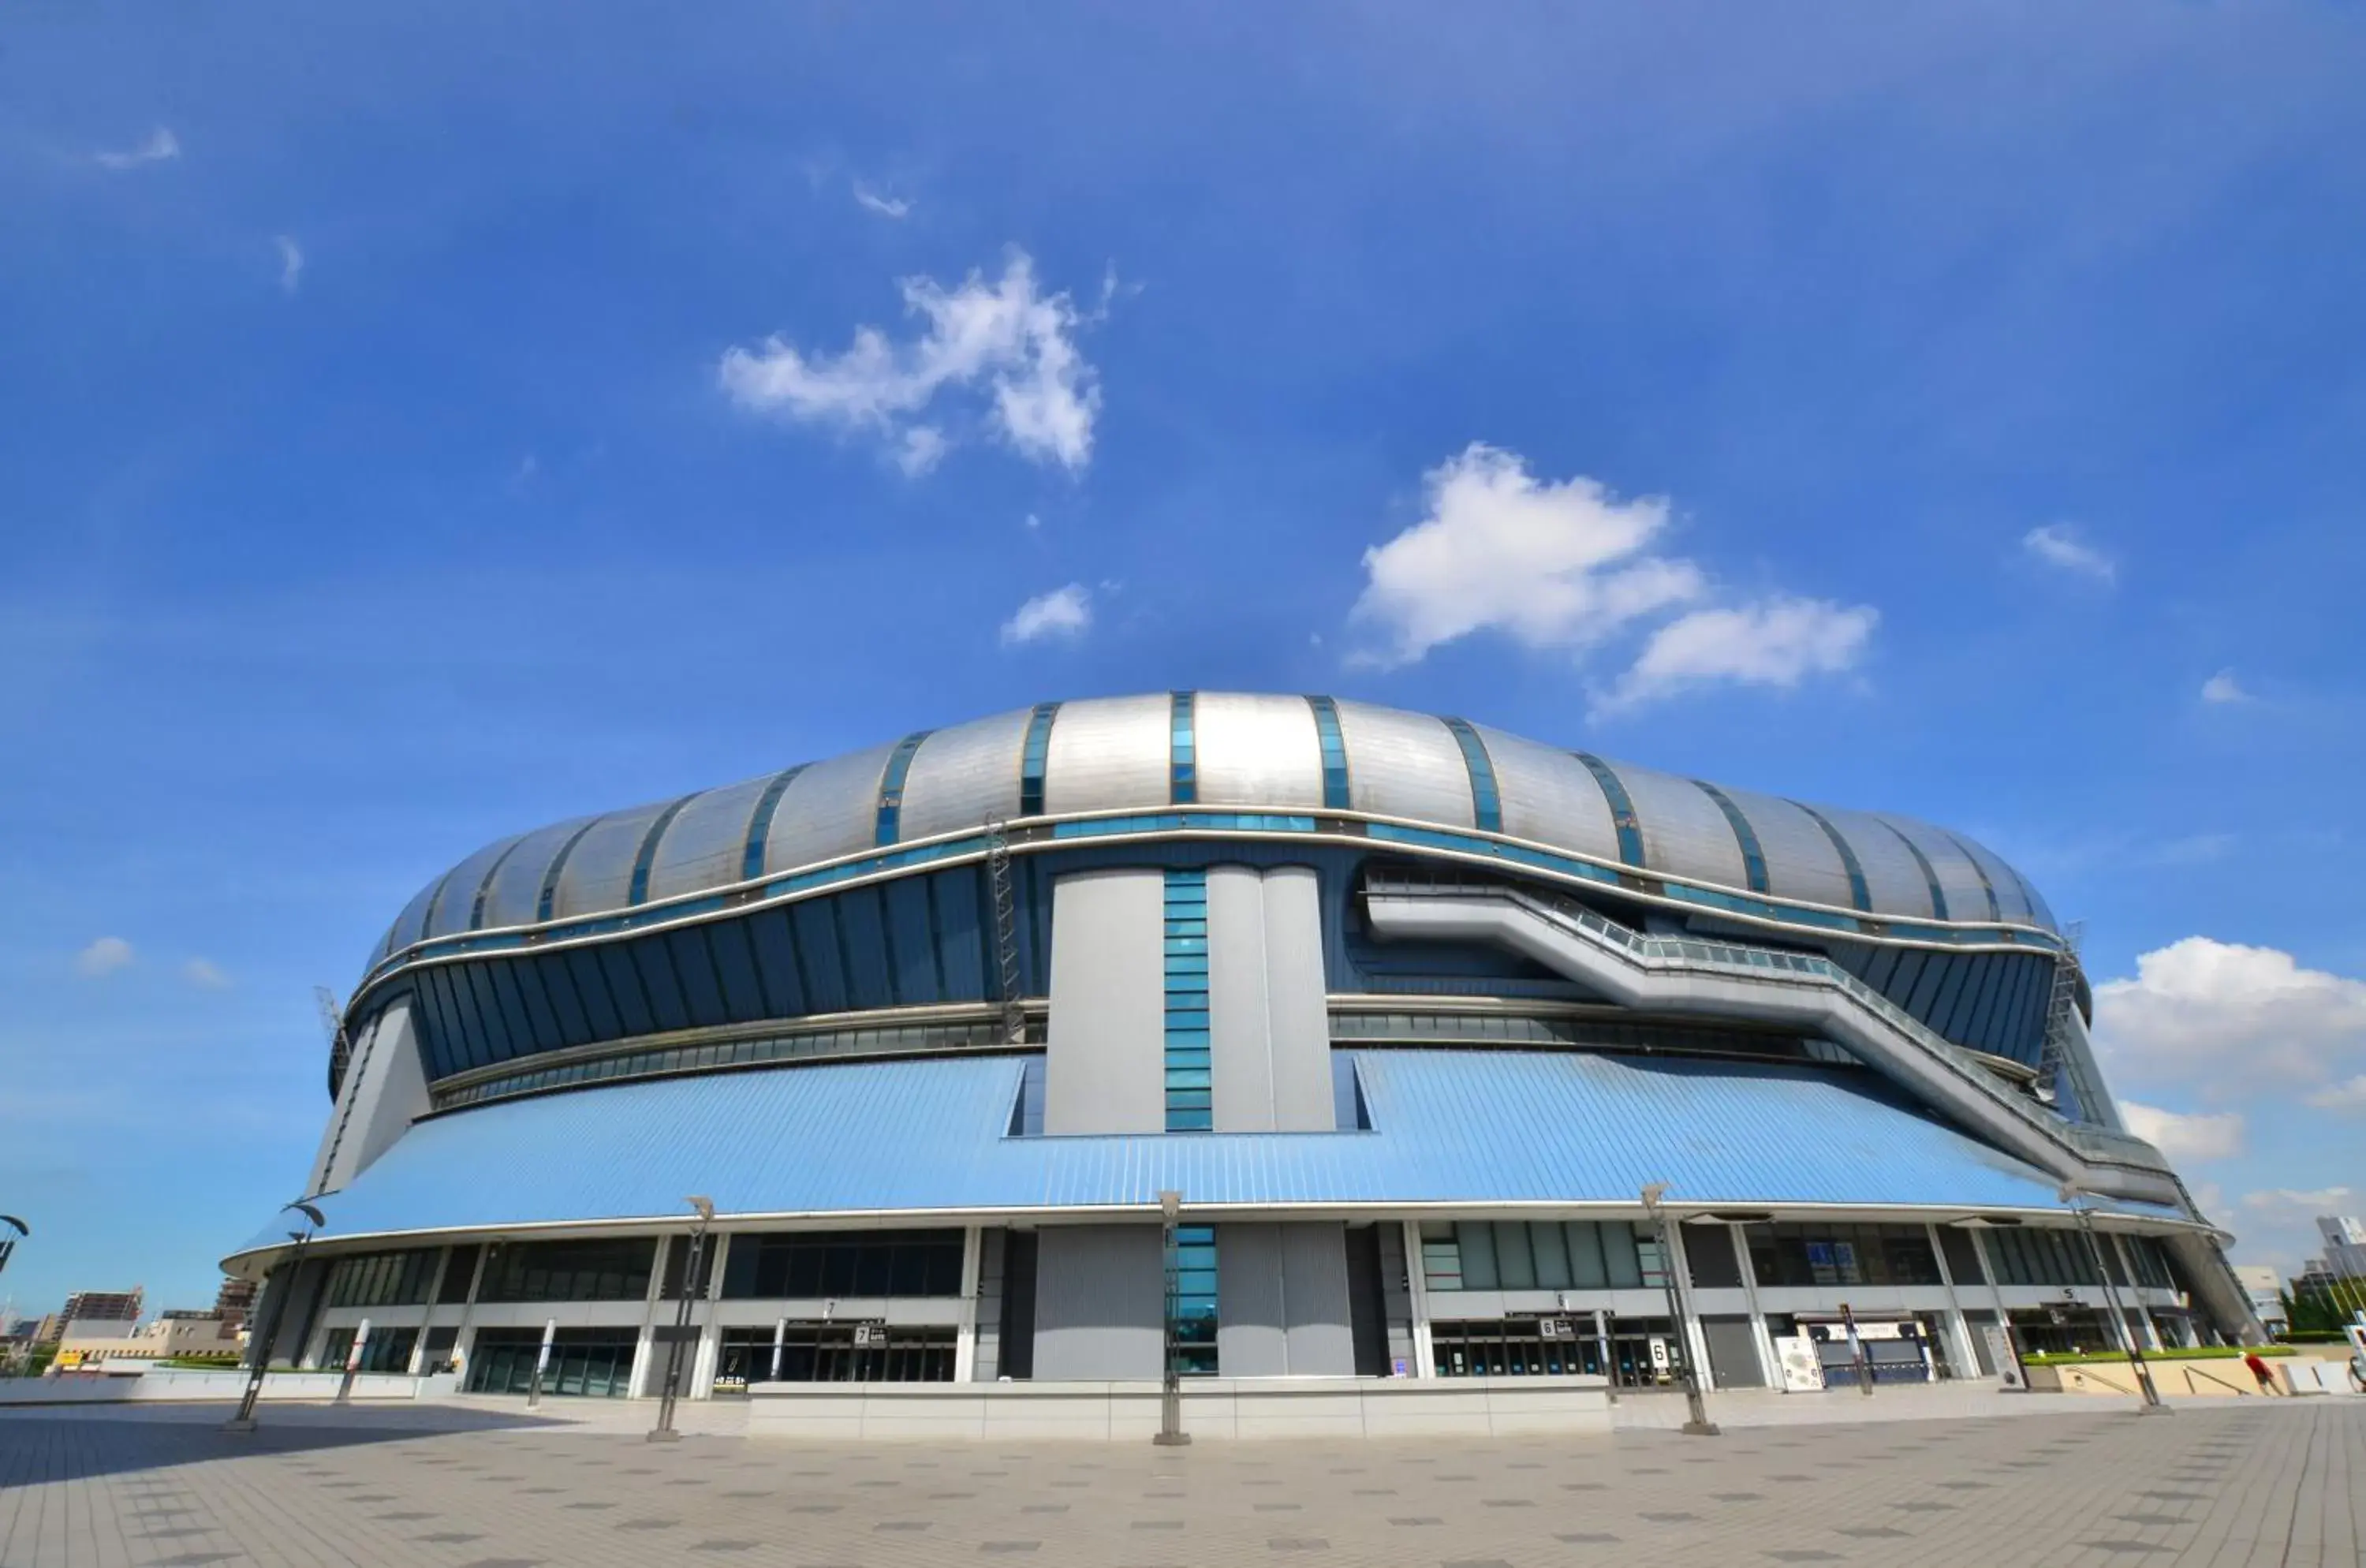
[2196,1353]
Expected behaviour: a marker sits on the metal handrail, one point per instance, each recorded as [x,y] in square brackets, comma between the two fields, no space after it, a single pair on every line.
[1695,955]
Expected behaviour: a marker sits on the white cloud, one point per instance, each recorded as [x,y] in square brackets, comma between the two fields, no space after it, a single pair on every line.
[1004,338]
[1062,613]
[2349,1096]
[1773,642]
[2183,1136]
[1034,521]
[886,205]
[103,957]
[162,147]
[2199,1010]
[2059,545]
[923,448]
[206,975]
[2284,1200]
[2223,688]
[291,262]
[1551,565]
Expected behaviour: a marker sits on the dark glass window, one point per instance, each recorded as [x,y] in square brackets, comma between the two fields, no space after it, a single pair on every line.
[677,1259]
[1190,1107]
[459,1273]
[382,1279]
[1193,1308]
[1584,1254]
[597,1362]
[569,1271]
[386,1351]
[1033,757]
[1182,757]
[835,1352]
[812,1265]
[1815,1253]
[1963,1255]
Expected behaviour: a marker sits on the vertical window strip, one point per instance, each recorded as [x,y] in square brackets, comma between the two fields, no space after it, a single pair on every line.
[1335,753]
[1033,757]
[548,899]
[760,822]
[485,888]
[1486,803]
[427,916]
[1995,911]
[1195,1301]
[1753,860]
[646,854]
[1622,807]
[1182,762]
[1930,877]
[891,786]
[1860,896]
[1190,1108]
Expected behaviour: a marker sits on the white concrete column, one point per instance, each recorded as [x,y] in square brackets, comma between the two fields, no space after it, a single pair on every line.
[1769,1366]
[1996,1290]
[1105,1055]
[966,1342]
[1968,1357]
[1418,1293]
[710,1336]
[644,1376]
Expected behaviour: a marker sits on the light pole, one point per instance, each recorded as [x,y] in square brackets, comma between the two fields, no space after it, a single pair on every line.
[2152,1404]
[8,1243]
[663,1431]
[314,1222]
[1171,1434]
[1699,1424]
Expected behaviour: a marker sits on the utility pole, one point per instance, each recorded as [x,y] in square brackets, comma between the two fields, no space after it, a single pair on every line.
[1171,1434]
[2128,1336]
[704,1208]
[314,1222]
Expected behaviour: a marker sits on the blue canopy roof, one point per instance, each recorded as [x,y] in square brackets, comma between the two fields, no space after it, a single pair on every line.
[1464,1127]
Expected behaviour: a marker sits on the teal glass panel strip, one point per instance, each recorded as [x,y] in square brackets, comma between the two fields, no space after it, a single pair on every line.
[1182,752]
[542,905]
[1753,860]
[1033,757]
[891,787]
[760,822]
[1859,894]
[1622,807]
[1996,910]
[1186,1065]
[647,853]
[1486,802]
[1334,745]
[1929,876]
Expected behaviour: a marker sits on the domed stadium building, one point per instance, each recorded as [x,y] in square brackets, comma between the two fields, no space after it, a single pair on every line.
[1400,1015]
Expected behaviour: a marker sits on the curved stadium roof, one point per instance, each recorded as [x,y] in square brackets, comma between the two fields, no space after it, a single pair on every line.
[1226,750]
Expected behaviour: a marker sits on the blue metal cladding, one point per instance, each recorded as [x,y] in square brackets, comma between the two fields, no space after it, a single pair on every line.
[891,786]
[1190,1108]
[1987,886]
[1477,1127]
[1859,894]
[648,852]
[1930,876]
[1622,807]
[1753,859]
[1032,757]
[1334,753]
[1182,753]
[550,875]
[760,822]
[1486,801]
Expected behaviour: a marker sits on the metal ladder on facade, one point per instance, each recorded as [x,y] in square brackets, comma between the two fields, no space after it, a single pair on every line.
[2055,1062]
[1006,935]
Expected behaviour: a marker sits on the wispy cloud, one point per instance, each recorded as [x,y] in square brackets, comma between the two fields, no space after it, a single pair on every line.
[291,262]
[924,447]
[1064,612]
[204,974]
[103,958]
[2349,1096]
[2181,1135]
[1569,565]
[2223,688]
[2060,545]
[162,147]
[1005,340]
[884,206]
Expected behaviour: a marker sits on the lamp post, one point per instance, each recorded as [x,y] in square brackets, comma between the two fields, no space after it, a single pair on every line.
[314,1222]
[704,1208]
[2128,1336]
[1171,1434]
[1699,1424]
[8,1243]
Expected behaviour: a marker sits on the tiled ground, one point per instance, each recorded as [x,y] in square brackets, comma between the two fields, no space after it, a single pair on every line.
[2248,1482]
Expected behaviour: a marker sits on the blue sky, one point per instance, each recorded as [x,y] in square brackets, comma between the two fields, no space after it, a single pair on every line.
[1956,412]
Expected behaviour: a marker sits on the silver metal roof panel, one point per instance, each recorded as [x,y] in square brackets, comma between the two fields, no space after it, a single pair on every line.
[517,885]
[1108,754]
[706,845]
[1550,798]
[1959,879]
[1683,832]
[1800,861]
[831,809]
[1405,765]
[964,776]
[1258,751]
[453,910]
[1891,877]
[598,874]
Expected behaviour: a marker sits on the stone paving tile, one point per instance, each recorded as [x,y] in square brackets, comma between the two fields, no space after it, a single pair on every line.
[2272,1484]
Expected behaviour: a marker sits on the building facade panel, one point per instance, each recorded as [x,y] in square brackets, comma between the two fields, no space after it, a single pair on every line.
[1405,765]
[1801,861]
[1258,751]
[1684,834]
[1895,882]
[1551,797]
[828,810]
[706,845]
[1109,754]
[964,776]
[598,874]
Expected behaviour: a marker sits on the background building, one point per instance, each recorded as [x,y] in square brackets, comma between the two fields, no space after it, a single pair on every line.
[1407,1009]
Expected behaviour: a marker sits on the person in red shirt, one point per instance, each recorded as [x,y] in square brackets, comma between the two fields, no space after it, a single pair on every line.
[2259,1370]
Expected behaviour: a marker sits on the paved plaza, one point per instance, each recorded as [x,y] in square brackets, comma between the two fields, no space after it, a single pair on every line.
[2057,1482]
